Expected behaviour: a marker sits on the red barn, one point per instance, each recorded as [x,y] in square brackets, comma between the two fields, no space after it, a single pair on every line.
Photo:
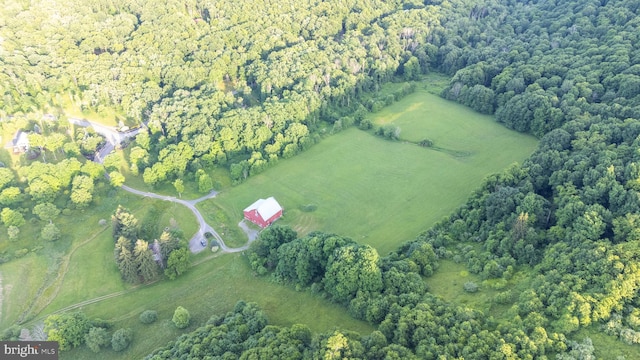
[263,212]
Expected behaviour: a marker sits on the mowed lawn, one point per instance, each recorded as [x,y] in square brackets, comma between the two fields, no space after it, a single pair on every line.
[382,192]
[212,287]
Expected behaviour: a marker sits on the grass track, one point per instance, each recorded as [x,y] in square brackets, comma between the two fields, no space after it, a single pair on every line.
[376,191]
[212,287]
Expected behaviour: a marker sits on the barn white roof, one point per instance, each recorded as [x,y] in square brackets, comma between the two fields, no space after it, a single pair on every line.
[266,207]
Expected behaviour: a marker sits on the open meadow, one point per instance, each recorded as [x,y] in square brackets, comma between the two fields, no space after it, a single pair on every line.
[86,279]
[211,287]
[377,191]
[353,183]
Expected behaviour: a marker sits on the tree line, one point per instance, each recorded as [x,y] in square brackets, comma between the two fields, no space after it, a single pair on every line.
[213,98]
[565,218]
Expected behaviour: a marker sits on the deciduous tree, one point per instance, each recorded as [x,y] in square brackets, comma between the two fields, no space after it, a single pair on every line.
[181,317]
[121,339]
[50,232]
[96,338]
[46,211]
[177,263]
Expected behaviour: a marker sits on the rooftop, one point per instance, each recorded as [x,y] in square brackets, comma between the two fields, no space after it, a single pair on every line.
[266,207]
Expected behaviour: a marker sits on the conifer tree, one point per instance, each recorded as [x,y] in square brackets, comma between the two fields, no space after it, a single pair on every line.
[124,224]
[125,261]
[147,267]
[168,243]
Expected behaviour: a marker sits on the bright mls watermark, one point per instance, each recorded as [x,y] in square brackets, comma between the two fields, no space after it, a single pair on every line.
[32,350]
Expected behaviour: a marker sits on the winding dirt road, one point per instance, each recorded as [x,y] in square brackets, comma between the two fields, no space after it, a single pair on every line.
[195,244]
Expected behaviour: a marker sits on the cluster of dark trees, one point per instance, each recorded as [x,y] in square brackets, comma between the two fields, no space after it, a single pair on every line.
[72,330]
[244,333]
[539,65]
[390,292]
[141,261]
[567,217]
[242,84]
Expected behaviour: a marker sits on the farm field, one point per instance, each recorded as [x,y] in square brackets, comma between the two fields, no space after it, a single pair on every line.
[211,287]
[353,183]
[377,191]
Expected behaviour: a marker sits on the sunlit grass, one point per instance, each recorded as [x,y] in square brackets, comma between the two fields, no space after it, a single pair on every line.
[606,347]
[376,191]
[382,192]
[212,287]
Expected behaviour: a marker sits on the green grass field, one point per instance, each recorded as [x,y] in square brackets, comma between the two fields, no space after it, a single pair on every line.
[382,192]
[376,191]
[80,265]
[212,287]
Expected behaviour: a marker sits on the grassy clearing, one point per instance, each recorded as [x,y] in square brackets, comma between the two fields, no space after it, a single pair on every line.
[33,274]
[107,116]
[80,264]
[607,347]
[215,216]
[212,287]
[92,263]
[448,283]
[382,192]
[21,280]
[455,130]
[376,191]
[434,83]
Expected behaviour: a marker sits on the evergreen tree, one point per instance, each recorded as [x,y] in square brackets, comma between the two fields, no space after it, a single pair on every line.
[124,224]
[146,265]
[168,242]
[125,260]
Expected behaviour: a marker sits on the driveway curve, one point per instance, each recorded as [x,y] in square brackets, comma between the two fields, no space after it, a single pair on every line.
[195,244]
[115,137]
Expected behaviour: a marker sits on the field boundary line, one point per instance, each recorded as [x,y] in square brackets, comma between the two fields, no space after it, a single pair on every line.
[117,293]
[62,272]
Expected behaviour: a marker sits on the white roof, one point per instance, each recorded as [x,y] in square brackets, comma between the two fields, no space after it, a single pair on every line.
[266,207]
[22,139]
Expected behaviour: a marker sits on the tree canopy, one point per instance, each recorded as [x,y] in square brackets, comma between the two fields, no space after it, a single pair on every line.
[242,84]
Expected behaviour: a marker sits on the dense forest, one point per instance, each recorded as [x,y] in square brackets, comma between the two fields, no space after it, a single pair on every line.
[242,84]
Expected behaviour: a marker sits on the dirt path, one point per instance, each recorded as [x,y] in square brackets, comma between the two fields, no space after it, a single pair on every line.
[41,302]
[195,244]
[37,306]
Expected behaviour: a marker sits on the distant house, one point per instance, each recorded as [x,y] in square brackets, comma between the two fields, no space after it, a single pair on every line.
[20,142]
[263,212]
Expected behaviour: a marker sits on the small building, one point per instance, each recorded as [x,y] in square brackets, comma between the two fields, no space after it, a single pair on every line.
[20,142]
[263,212]
[157,253]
